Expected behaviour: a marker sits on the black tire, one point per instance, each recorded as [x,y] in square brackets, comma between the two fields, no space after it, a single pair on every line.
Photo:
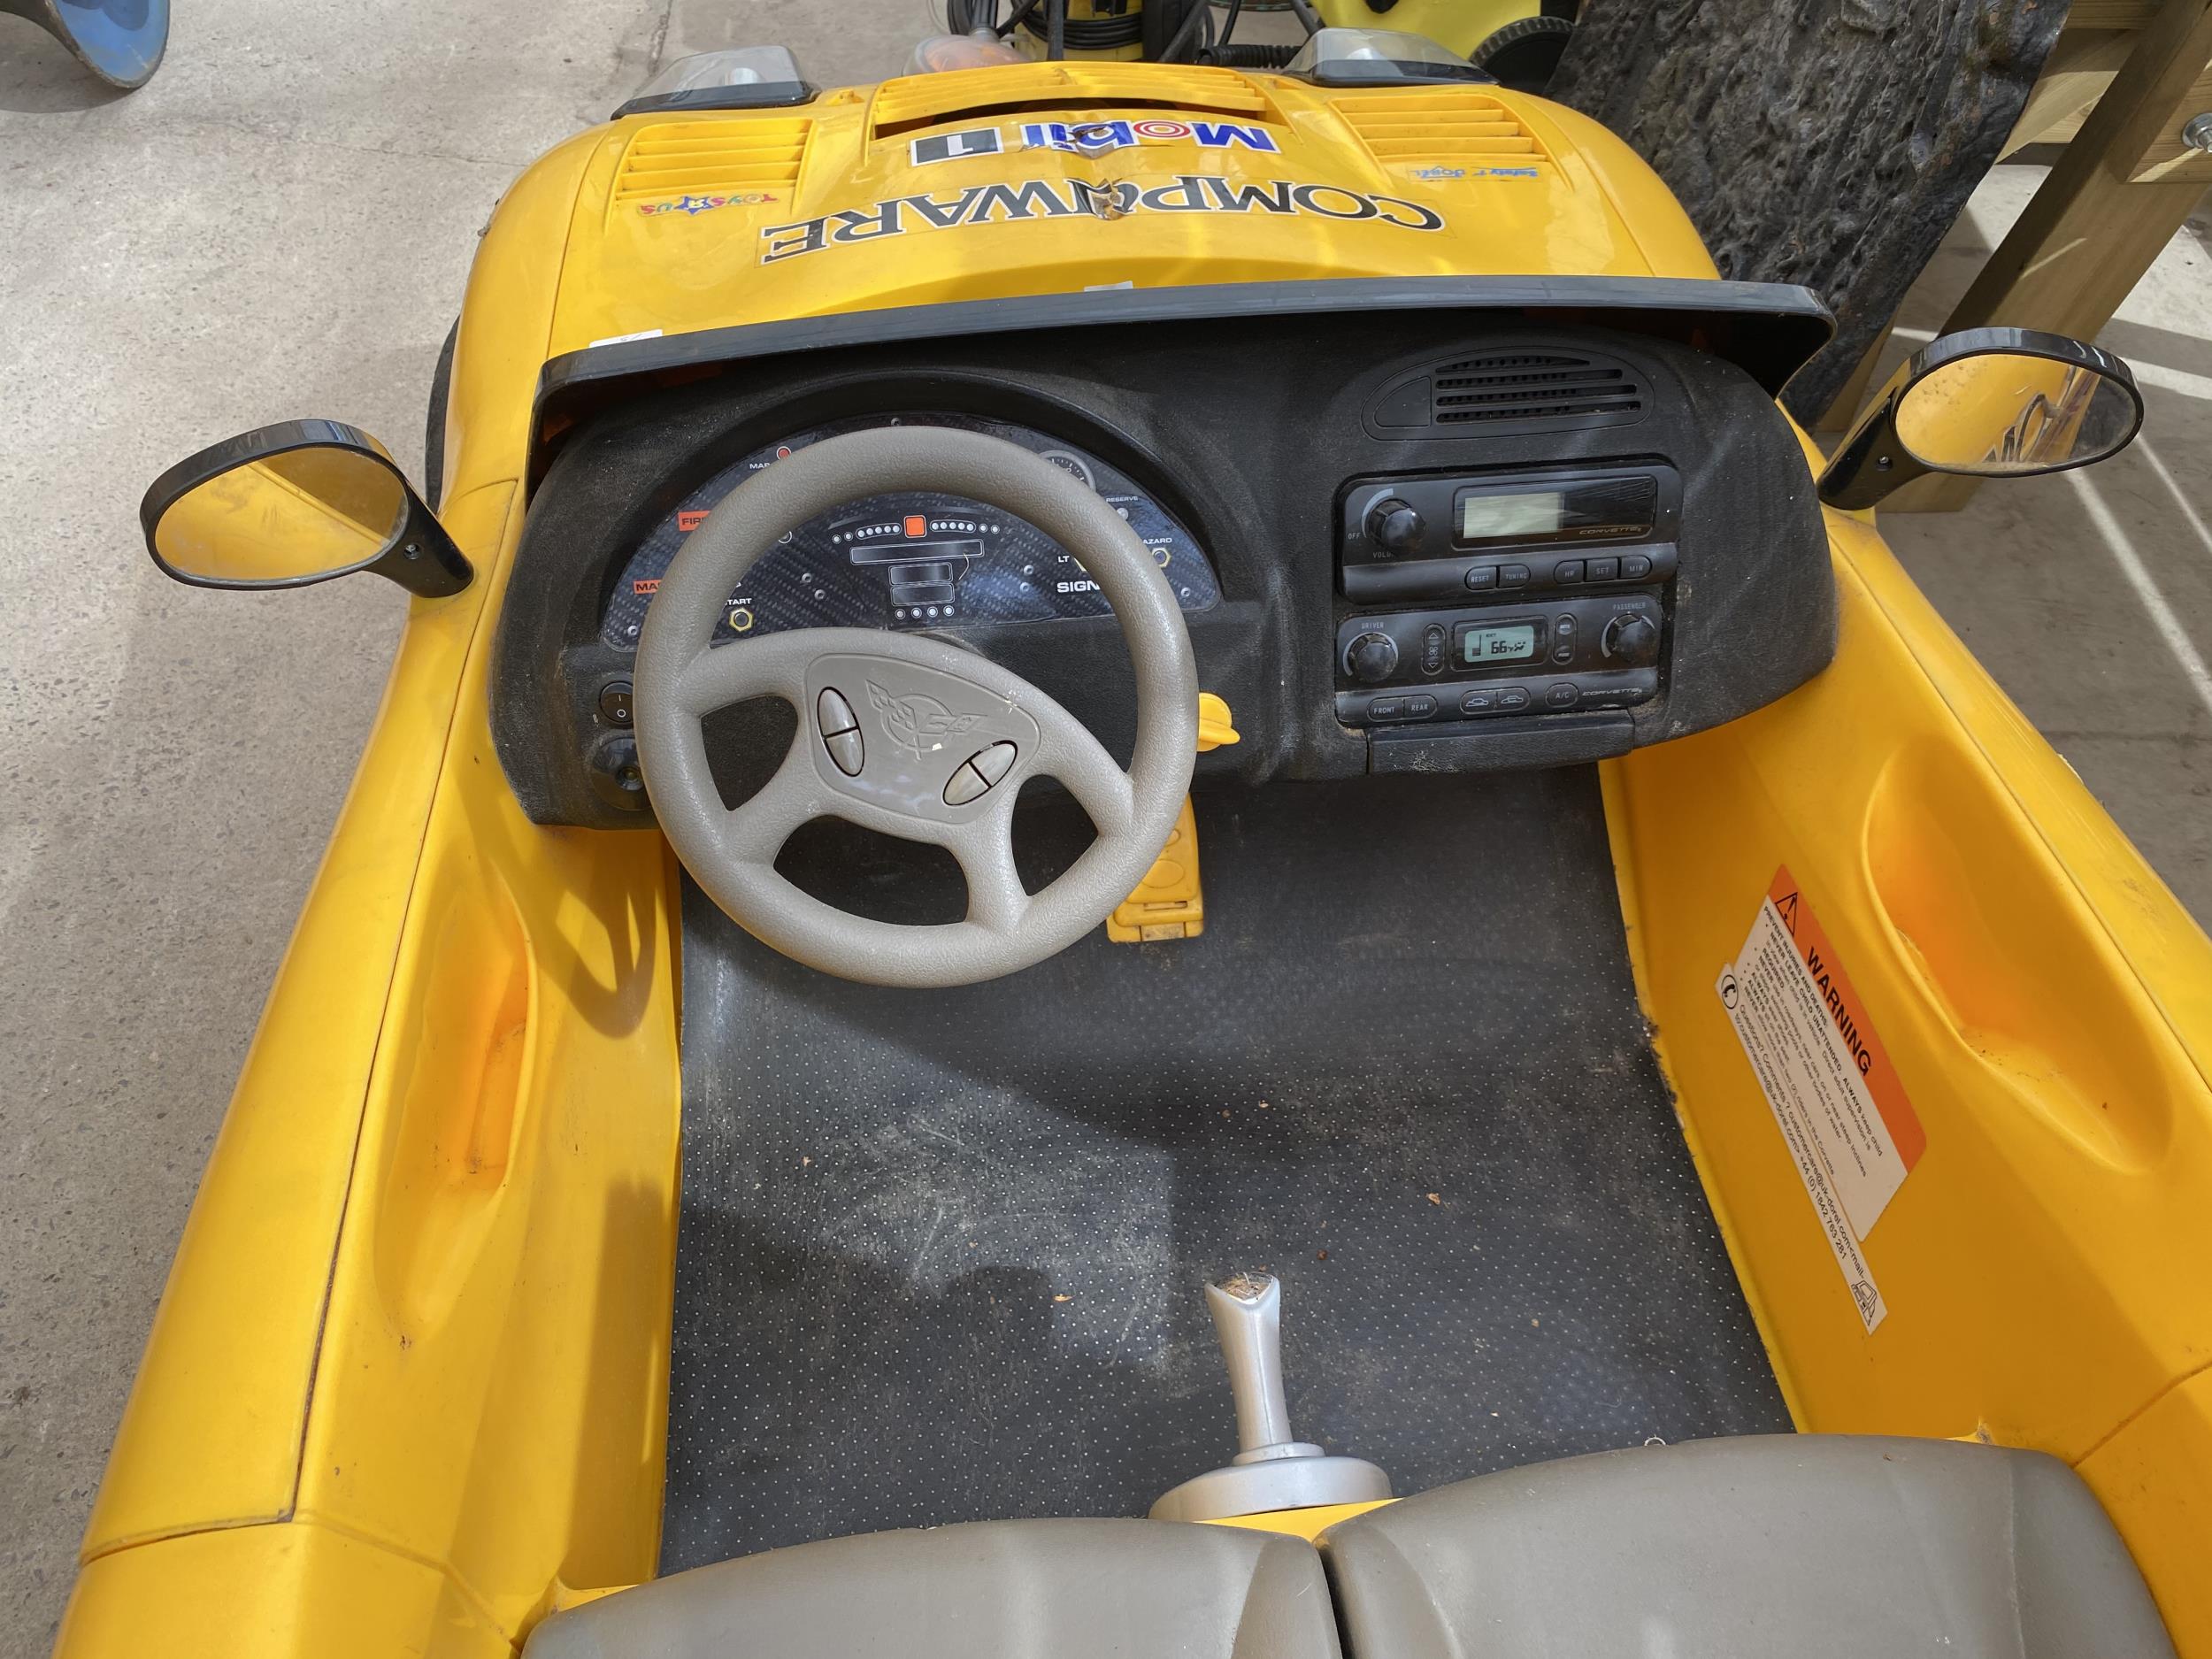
[1524,53]
[434,424]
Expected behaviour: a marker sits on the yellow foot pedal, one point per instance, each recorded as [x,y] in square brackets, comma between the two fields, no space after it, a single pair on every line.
[1167,903]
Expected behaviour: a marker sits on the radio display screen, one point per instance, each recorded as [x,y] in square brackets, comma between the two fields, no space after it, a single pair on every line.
[1502,642]
[1492,518]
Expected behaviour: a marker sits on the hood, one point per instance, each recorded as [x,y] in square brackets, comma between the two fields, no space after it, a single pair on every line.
[1056,178]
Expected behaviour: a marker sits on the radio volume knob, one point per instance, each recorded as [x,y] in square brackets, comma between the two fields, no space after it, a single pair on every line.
[1394,526]
[1631,640]
[1371,658]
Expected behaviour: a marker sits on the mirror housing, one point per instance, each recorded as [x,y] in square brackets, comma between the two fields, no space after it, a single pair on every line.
[295,503]
[1992,403]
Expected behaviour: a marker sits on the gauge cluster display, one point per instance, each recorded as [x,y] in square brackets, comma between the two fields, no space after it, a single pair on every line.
[913,559]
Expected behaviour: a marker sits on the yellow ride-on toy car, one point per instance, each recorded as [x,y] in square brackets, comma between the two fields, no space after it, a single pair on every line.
[1069,719]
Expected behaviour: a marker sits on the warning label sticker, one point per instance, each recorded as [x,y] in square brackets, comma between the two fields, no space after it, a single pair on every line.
[1851,1131]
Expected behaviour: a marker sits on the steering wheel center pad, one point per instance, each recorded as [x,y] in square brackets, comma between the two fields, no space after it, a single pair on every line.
[919,741]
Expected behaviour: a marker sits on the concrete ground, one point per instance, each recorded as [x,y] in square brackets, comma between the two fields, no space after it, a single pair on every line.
[280,226]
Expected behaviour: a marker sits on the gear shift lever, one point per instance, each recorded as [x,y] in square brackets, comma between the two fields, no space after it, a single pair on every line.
[1270,1470]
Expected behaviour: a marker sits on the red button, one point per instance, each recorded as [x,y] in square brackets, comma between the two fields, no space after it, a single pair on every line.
[917,525]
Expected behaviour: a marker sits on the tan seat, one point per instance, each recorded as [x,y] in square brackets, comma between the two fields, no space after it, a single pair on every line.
[1050,1589]
[1816,1547]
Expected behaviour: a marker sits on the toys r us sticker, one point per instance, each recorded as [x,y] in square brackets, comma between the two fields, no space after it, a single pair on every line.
[1851,1131]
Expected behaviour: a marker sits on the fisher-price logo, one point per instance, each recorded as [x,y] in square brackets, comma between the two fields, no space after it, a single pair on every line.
[695,205]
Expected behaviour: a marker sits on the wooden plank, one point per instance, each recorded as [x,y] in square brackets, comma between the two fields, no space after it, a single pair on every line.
[2081,66]
[2145,103]
[2167,157]
[2111,14]
[2090,234]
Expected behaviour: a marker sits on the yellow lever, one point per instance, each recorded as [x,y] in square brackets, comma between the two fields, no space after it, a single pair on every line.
[1167,903]
[1215,727]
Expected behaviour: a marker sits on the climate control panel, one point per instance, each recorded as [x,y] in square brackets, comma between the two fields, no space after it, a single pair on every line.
[1552,654]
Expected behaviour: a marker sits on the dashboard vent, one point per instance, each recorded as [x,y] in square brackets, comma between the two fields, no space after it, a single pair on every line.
[673,159]
[1440,129]
[1528,389]
[1530,386]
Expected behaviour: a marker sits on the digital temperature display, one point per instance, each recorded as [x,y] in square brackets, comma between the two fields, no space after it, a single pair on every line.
[1508,642]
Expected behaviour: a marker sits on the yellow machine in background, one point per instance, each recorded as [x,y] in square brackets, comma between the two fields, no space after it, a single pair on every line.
[599,1200]
[1519,42]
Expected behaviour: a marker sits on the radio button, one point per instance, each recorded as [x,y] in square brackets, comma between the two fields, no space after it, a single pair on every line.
[1483,576]
[1635,567]
[1562,696]
[1605,570]
[1513,576]
[1393,527]
[1511,699]
[1567,570]
[1616,696]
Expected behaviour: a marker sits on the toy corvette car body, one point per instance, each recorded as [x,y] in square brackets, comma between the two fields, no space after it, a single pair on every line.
[1647,985]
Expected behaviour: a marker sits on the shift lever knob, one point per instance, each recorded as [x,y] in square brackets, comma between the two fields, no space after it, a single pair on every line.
[1248,1310]
[1270,1470]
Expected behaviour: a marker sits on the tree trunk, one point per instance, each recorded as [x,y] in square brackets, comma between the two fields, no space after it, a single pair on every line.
[1830,143]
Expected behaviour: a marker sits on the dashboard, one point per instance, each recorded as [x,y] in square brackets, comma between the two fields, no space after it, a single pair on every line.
[1440,543]
[914,559]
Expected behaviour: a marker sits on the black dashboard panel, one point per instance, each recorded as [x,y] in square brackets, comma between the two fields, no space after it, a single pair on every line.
[1267,441]
[913,560]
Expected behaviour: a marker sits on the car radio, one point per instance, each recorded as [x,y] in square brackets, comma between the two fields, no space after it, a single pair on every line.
[1443,535]
[1553,582]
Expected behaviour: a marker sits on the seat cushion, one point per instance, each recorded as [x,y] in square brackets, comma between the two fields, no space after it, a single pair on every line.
[1804,1545]
[1053,1589]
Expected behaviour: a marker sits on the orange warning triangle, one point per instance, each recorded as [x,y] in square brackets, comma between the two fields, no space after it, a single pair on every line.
[1787,908]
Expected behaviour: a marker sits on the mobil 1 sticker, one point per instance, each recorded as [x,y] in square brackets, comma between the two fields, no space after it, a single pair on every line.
[932,147]
[1090,138]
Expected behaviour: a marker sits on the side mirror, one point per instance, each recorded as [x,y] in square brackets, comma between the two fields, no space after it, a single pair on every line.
[295,503]
[1997,403]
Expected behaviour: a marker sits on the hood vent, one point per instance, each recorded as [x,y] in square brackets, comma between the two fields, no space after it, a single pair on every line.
[1517,391]
[918,101]
[731,157]
[1440,129]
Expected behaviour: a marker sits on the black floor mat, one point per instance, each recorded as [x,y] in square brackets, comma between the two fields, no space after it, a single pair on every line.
[940,1252]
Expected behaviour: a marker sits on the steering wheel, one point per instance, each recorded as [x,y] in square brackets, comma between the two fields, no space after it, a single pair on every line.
[907,734]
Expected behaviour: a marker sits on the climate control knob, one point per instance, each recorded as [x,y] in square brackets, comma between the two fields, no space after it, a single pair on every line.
[1371,658]
[1394,526]
[1631,640]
